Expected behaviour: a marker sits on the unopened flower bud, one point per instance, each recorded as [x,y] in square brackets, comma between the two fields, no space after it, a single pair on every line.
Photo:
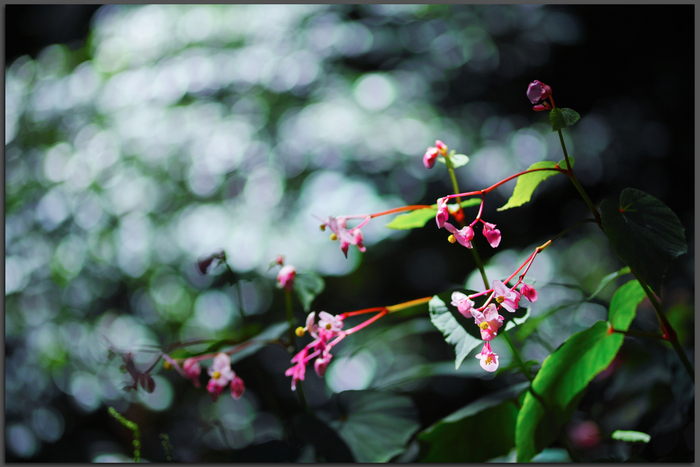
[285,277]
[441,147]
[430,157]
[237,387]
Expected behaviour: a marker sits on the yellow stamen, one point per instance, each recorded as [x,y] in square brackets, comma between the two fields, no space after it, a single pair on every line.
[300,331]
[451,239]
[500,299]
[334,237]
[167,365]
[216,375]
[328,326]
[484,326]
[488,360]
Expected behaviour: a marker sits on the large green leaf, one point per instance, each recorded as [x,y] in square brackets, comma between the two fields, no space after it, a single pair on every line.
[561,118]
[564,375]
[527,183]
[418,218]
[644,233]
[463,332]
[307,286]
[467,435]
[376,426]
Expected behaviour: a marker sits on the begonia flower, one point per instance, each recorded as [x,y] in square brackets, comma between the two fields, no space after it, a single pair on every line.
[321,364]
[463,236]
[329,322]
[529,293]
[441,147]
[489,321]
[463,304]
[285,278]
[221,375]
[537,91]
[506,297]
[430,157]
[489,359]
[492,234]
[442,213]
[237,387]
[297,372]
[192,370]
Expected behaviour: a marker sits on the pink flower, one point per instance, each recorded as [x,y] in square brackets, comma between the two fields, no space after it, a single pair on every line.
[221,375]
[192,370]
[351,237]
[506,297]
[237,387]
[489,359]
[311,327]
[462,302]
[442,213]
[430,157]
[492,234]
[537,91]
[297,373]
[329,322]
[280,260]
[541,107]
[463,236]
[529,293]
[489,321]
[441,147]
[285,277]
[321,364]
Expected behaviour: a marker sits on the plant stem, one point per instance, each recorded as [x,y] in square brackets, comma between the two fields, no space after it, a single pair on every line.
[517,356]
[669,331]
[455,187]
[290,316]
[574,180]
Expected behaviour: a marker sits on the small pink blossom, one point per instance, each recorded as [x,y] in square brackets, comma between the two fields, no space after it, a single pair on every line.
[463,304]
[442,213]
[280,260]
[214,390]
[489,359]
[329,322]
[541,107]
[506,297]
[192,370]
[237,387]
[537,91]
[321,364]
[489,321]
[311,327]
[285,278]
[430,157]
[492,234]
[441,147]
[464,236]
[221,375]
[529,293]
[297,373]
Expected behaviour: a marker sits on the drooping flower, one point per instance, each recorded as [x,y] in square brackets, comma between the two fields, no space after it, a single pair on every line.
[221,375]
[298,371]
[237,387]
[489,359]
[192,370]
[506,297]
[537,91]
[463,304]
[463,236]
[442,213]
[430,157]
[489,321]
[321,364]
[529,293]
[492,234]
[285,278]
[351,237]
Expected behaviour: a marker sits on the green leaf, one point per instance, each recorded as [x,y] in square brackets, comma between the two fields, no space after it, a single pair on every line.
[271,332]
[631,436]
[564,375]
[329,446]
[467,434]
[608,279]
[644,233]
[376,426]
[561,118]
[307,286]
[458,160]
[418,218]
[623,306]
[527,183]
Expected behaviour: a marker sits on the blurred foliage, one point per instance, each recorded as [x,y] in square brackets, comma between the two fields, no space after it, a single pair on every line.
[177,132]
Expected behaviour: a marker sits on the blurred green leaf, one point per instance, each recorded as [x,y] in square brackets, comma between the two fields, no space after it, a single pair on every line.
[458,160]
[467,435]
[330,447]
[608,279]
[561,118]
[307,286]
[418,218]
[376,426]
[564,375]
[644,233]
[631,436]
[527,183]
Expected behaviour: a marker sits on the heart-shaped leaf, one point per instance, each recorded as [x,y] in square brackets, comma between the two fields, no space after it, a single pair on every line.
[467,434]
[527,183]
[644,233]
[376,426]
[307,286]
[418,218]
[561,118]
[560,383]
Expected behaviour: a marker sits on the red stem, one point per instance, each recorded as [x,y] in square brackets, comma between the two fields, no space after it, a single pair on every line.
[492,187]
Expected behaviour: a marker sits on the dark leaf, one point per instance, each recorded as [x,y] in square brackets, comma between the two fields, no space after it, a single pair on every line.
[307,286]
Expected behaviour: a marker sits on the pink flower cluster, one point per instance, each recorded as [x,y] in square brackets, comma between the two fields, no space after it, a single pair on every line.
[220,372]
[537,92]
[465,235]
[432,154]
[346,236]
[328,327]
[487,317]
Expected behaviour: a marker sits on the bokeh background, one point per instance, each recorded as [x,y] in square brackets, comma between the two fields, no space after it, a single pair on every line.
[139,139]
